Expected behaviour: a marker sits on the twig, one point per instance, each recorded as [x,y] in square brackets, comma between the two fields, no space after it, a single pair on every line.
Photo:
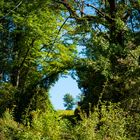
[12,10]
[52,45]
[101,13]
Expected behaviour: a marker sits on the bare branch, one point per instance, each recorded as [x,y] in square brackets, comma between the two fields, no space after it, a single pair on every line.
[69,8]
[101,13]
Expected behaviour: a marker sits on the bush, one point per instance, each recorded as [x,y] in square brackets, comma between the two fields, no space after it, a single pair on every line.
[7,93]
[8,127]
[107,122]
[48,125]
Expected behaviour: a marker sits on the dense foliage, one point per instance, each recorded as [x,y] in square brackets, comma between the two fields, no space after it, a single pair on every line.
[32,54]
[53,126]
[38,41]
[110,33]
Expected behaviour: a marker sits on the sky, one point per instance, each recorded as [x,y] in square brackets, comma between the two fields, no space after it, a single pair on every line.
[63,85]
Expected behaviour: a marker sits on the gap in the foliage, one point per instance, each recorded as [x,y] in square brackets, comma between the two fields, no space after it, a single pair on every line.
[81,51]
[63,85]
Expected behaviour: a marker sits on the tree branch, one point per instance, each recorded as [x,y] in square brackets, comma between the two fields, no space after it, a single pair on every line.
[101,13]
[69,8]
[55,39]
[12,10]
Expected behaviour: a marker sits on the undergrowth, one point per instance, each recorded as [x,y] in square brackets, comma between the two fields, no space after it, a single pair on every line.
[105,123]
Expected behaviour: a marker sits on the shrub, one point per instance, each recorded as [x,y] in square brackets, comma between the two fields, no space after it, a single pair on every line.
[106,122]
[48,125]
[7,93]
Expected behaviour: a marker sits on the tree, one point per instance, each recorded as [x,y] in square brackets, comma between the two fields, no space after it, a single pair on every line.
[32,53]
[68,101]
[110,72]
